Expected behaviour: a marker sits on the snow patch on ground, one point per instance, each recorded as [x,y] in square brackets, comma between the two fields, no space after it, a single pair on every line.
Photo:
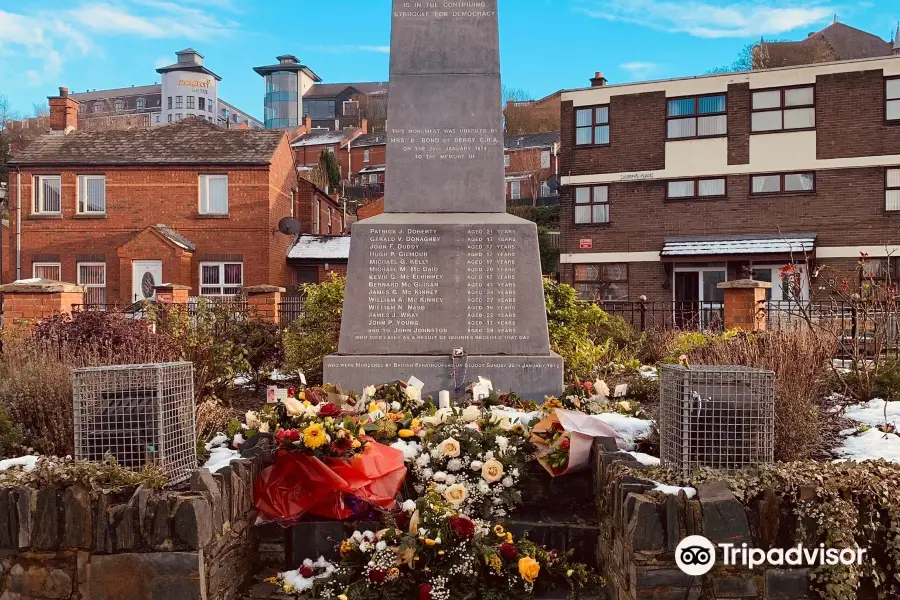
[872,413]
[674,490]
[630,428]
[871,445]
[304,584]
[219,458]
[645,459]
[26,462]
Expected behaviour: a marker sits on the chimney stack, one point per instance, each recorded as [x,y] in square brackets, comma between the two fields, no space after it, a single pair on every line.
[63,112]
[598,80]
[364,125]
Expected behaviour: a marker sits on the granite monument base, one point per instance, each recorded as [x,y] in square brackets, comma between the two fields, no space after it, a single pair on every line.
[532,377]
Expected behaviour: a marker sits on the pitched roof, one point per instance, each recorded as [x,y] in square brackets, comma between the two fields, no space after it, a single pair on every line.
[139,90]
[835,42]
[368,139]
[192,141]
[333,90]
[175,237]
[321,247]
[322,137]
[534,140]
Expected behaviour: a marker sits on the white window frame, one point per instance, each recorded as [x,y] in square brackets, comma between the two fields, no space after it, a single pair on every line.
[782,108]
[92,286]
[346,102]
[515,190]
[366,156]
[778,282]
[203,203]
[34,268]
[221,285]
[506,160]
[545,159]
[189,102]
[140,104]
[37,204]
[891,99]
[179,101]
[82,186]
[890,190]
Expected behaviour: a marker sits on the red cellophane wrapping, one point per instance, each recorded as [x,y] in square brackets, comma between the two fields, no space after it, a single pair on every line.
[333,488]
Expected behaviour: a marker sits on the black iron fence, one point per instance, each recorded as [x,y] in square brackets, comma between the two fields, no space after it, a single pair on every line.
[644,316]
[290,309]
[542,201]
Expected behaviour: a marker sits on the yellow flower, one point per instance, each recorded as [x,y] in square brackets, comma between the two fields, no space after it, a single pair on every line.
[342,597]
[495,563]
[294,407]
[441,552]
[499,531]
[529,569]
[357,443]
[288,588]
[509,538]
[406,433]
[303,395]
[415,423]
[492,471]
[346,547]
[429,542]
[314,436]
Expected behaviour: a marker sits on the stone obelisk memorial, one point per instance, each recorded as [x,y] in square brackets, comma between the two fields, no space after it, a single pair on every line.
[445,285]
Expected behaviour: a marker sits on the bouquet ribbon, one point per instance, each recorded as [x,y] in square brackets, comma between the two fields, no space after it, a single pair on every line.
[333,488]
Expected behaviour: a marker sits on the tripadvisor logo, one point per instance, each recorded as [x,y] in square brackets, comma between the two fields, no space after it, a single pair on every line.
[696,556]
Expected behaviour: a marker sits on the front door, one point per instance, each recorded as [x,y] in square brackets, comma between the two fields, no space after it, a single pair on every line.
[146,275]
[687,298]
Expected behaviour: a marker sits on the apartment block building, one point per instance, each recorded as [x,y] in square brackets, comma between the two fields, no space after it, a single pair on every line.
[189,203]
[671,187]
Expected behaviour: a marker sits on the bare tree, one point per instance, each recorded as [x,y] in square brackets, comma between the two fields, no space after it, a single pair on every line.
[528,164]
[373,108]
[523,115]
[40,110]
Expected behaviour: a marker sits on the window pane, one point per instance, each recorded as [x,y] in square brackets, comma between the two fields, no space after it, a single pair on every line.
[50,272]
[893,109]
[681,107]
[92,194]
[766,121]
[893,89]
[589,292]
[893,178]
[583,135]
[712,187]
[218,195]
[612,292]
[892,200]
[601,213]
[91,275]
[799,118]
[766,100]
[209,274]
[583,118]
[583,214]
[587,273]
[601,193]
[601,115]
[601,134]
[874,267]
[50,192]
[798,182]
[614,272]
[798,97]
[712,104]
[582,195]
[766,184]
[681,189]
[711,291]
[717,125]
[680,128]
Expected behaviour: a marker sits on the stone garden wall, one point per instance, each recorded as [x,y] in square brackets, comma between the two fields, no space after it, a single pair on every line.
[72,544]
[640,529]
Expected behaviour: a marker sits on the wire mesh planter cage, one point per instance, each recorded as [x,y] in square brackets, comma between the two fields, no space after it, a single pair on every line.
[139,414]
[720,417]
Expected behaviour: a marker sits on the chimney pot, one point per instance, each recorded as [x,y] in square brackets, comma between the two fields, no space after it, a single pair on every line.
[63,112]
[63,92]
[598,80]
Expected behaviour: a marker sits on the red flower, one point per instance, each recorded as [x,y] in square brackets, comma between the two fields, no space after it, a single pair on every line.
[462,527]
[402,520]
[377,575]
[287,436]
[588,385]
[508,551]
[424,592]
[558,426]
[564,444]
[341,445]
[291,392]
[329,410]
[315,398]
[306,571]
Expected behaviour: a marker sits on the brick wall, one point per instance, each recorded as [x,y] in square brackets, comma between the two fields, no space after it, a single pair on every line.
[377,156]
[8,248]
[308,198]
[138,198]
[738,102]
[375,207]
[850,116]
[528,162]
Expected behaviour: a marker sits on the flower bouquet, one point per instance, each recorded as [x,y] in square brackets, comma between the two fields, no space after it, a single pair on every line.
[473,462]
[393,411]
[434,553]
[564,438]
[587,397]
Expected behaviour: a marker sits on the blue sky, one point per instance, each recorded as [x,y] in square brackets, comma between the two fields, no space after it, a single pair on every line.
[546,44]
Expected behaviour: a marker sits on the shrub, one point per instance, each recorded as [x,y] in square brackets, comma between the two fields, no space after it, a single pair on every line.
[36,394]
[799,358]
[95,338]
[571,323]
[264,347]
[208,337]
[11,436]
[315,334]
[887,381]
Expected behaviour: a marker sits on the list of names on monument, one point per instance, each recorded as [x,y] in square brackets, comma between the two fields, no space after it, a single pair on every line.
[415,293]
[445,144]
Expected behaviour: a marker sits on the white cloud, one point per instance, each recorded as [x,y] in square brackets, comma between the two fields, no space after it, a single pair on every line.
[42,40]
[639,69]
[707,20]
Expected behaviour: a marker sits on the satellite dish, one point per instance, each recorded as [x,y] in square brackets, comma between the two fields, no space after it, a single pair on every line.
[289,226]
[553,183]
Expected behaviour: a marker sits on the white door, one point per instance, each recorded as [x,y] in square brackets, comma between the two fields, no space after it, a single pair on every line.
[145,276]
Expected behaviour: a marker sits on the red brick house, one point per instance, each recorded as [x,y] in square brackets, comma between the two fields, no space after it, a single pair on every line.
[671,187]
[530,161]
[188,203]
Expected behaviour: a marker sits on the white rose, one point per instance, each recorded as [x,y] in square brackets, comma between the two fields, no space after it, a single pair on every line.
[395,406]
[294,407]
[409,505]
[449,448]
[264,428]
[508,481]
[381,546]
[413,394]
[502,442]
[476,465]
[369,392]
[492,471]
[470,413]
[252,419]
[484,488]
[601,389]
[364,546]
[456,494]
[440,476]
